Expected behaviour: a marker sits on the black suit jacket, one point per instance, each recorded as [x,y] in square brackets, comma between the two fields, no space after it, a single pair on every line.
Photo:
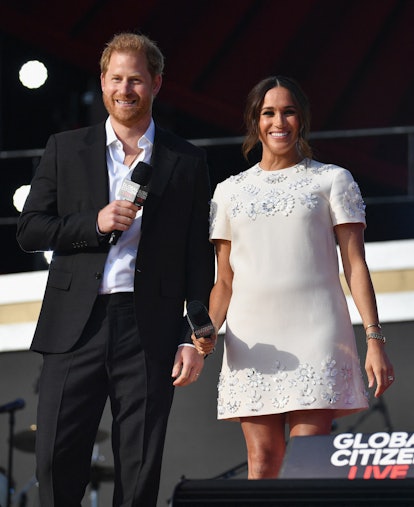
[175,261]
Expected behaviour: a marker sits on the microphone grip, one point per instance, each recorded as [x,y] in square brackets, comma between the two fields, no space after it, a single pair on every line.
[113,238]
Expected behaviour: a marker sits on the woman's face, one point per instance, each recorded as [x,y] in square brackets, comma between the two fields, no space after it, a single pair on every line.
[279,123]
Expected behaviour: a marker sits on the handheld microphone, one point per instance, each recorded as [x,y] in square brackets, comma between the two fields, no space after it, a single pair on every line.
[199,320]
[134,190]
[12,406]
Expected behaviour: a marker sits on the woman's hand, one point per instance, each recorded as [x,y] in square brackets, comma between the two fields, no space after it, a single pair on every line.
[206,345]
[378,367]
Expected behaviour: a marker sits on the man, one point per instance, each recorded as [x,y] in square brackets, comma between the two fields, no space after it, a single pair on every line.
[112,323]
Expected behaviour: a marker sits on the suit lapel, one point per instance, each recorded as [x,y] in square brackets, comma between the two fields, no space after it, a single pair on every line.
[163,161]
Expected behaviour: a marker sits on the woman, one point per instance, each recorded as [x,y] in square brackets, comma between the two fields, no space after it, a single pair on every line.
[290,355]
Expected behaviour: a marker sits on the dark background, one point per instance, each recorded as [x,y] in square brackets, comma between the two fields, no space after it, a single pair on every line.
[353,59]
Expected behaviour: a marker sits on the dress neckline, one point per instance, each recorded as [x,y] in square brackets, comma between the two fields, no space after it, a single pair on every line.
[303,162]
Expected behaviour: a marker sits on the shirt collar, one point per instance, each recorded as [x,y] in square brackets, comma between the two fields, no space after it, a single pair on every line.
[144,141]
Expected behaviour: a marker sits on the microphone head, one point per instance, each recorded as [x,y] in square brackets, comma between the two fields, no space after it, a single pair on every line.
[198,313]
[199,319]
[19,403]
[13,405]
[142,174]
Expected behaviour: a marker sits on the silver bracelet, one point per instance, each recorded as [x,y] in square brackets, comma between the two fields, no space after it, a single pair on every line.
[376,336]
[373,325]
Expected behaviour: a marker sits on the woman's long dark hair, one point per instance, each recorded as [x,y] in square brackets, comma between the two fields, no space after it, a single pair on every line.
[254,104]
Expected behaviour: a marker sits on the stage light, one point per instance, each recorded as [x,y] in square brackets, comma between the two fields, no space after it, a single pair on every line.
[19,197]
[33,74]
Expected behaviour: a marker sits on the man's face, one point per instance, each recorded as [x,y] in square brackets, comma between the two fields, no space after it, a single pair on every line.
[128,89]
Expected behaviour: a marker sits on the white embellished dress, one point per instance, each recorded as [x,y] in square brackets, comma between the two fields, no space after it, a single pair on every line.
[289,340]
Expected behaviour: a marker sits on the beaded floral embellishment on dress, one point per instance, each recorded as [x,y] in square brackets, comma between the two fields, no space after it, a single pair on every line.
[284,200]
[247,388]
[353,202]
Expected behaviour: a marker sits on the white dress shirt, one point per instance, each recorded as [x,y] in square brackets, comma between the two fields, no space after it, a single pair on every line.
[118,273]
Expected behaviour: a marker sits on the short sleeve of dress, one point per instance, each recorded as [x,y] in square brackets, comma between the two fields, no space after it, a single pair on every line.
[219,220]
[347,205]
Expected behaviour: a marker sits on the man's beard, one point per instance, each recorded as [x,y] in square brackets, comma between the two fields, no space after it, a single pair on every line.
[127,116]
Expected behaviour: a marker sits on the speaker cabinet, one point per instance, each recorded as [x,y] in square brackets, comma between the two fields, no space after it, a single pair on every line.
[344,470]
[294,493]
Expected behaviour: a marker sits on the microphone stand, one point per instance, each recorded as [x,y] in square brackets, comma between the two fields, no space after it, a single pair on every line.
[10,458]
[11,409]
[382,408]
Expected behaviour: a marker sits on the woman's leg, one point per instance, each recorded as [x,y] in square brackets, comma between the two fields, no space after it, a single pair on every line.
[310,422]
[266,444]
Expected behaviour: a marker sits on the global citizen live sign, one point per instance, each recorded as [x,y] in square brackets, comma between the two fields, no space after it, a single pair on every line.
[381,455]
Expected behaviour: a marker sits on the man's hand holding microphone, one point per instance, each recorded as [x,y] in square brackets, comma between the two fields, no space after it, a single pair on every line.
[118,216]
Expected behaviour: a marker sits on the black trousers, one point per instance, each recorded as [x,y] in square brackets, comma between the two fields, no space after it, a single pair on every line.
[108,361]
